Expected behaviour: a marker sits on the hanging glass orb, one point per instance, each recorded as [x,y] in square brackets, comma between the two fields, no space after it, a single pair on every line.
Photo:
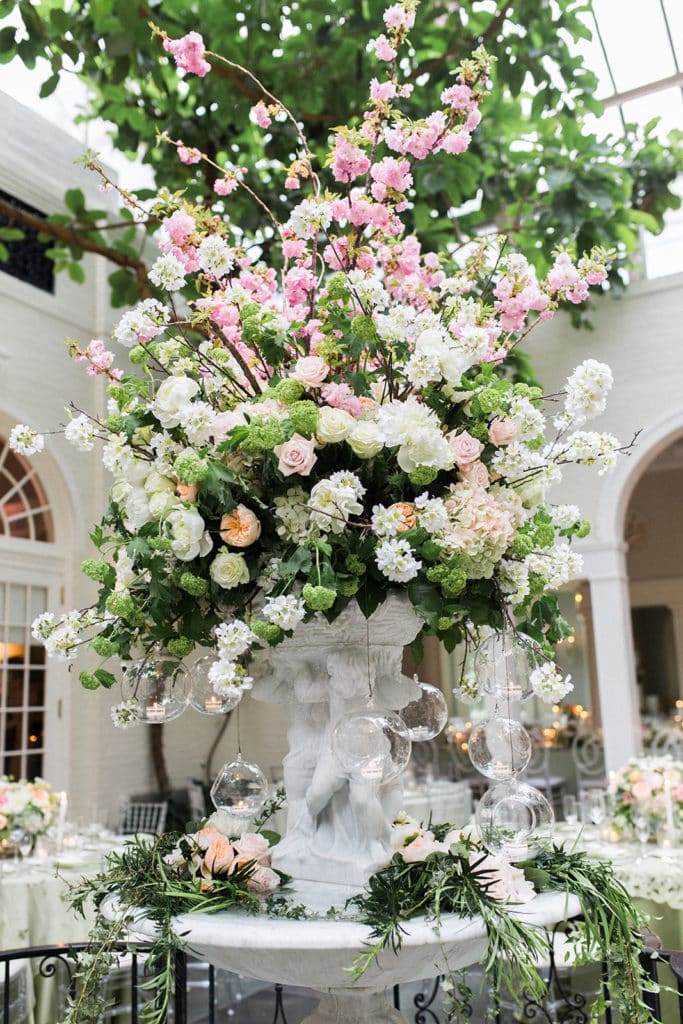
[426,716]
[503,665]
[499,748]
[240,788]
[203,696]
[372,745]
[515,820]
[158,687]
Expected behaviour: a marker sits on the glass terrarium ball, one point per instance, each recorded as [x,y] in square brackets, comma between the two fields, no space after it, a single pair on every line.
[158,686]
[499,748]
[514,820]
[502,666]
[372,745]
[426,716]
[240,788]
[203,697]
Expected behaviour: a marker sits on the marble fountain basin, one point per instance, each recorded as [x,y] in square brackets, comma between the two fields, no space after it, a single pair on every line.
[317,954]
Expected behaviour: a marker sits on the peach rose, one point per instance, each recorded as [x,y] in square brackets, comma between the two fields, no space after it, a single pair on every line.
[310,370]
[407,510]
[187,492]
[421,847]
[641,791]
[466,449]
[251,846]
[206,836]
[476,473]
[502,432]
[296,456]
[263,880]
[240,528]
[220,856]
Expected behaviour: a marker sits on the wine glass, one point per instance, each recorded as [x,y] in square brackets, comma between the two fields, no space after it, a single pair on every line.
[22,840]
[641,825]
[570,809]
[597,806]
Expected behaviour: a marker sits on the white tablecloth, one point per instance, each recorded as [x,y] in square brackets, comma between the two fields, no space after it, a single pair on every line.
[440,800]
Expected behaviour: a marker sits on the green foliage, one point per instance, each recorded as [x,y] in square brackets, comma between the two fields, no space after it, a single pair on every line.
[561,186]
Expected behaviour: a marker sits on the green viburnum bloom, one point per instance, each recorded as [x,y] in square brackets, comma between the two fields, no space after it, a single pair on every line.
[318,598]
[544,536]
[444,623]
[267,631]
[304,416]
[287,391]
[263,436]
[490,400]
[454,582]
[121,604]
[582,529]
[194,585]
[95,569]
[363,328]
[190,468]
[159,543]
[423,476]
[105,647]
[522,545]
[337,287]
[180,646]
[88,681]
[354,564]
[479,430]
[347,588]
[138,355]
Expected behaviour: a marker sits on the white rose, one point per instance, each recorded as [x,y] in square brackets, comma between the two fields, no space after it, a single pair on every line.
[190,539]
[161,503]
[174,394]
[365,439]
[156,483]
[121,491]
[229,569]
[137,509]
[333,424]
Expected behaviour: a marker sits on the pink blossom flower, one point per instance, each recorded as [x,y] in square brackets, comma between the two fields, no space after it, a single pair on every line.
[466,449]
[224,186]
[398,17]
[458,97]
[179,226]
[342,397]
[189,155]
[349,161]
[296,456]
[383,49]
[292,248]
[259,115]
[99,359]
[310,370]
[188,53]
[393,173]
[299,282]
[456,142]
[380,92]
[292,183]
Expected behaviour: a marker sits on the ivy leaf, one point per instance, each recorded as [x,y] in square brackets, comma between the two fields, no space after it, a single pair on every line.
[104,678]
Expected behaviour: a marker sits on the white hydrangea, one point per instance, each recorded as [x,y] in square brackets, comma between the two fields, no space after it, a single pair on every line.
[25,440]
[227,676]
[197,420]
[268,575]
[285,611]
[62,643]
[396,561]
[333,500]
[549,684]
[586,391]
[215,256]
[168,273]
[416,429]
[167,450]
[234,638]
[556,566]
[368,289]
[124,715]
[142,323]
[529,421]
[473,343]
[590,448]
[565,516]
[43,626]
[422,368]
[168,350]
[117,454]
[396,325]
[514,580]
[294,519]
[514,460]
[387,522]
[310,217]
[431,513]
[80,432]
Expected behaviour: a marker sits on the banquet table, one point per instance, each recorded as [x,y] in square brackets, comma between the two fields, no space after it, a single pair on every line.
[440,800]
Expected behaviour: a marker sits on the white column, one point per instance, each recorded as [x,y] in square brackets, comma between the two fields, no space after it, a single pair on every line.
[605,568]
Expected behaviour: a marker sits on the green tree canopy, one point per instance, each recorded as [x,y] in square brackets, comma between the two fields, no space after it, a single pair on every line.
[534,171]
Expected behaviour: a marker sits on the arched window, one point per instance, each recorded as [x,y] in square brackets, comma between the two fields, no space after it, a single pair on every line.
[24,594]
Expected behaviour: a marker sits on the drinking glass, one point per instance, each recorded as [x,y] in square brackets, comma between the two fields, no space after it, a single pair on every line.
[570,809]
[641,824]
[597,806]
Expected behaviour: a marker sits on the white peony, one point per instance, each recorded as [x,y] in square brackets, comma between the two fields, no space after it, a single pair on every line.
[172,398]
[189,536]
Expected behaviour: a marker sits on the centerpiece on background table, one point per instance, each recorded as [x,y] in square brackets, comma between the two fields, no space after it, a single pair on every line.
[27,810]
[647,798]
[328,446]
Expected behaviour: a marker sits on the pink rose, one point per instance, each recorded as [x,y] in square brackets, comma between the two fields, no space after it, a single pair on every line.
[677,792]
[206,836]
[252,846]
[502,432]
[421,847]
[220,856]
[296,456]
[310,370]
[263,880]
[466,449]
[641,791]
[503,881]
[476,473]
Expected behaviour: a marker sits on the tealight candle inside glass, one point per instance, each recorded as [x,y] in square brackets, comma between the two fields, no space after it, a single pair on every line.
[666,836]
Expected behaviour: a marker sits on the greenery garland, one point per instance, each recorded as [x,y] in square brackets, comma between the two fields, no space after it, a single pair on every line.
[457,880]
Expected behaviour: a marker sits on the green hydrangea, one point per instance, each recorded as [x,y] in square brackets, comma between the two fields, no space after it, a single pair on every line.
[490,400]
[479,430]
[159,543]
[454,582]
[529,391]
[582,529]
[138,355]
[263,436]
[347,588]
[94,569]
[190,468]
[318,598]
[194,585]
[423,476]
[337,287]
[287,391]
[88,681]
[104,646]
[544,536]
[121,604]
[363,328]
[180,646]
[522,545]
[266,631]
[304,416]
[437,573]
[355,565]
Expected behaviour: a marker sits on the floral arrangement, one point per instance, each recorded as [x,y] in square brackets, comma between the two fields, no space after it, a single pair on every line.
[433,871]
[647,788]
[325,412]
[29,806]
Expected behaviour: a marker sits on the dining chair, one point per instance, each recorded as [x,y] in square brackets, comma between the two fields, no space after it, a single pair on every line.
[588,755]
[668,739]
[463,770]
[539,775]
[142,817]
[197,799]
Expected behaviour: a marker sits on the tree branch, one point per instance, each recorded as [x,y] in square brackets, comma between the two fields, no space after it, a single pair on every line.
[63,234]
